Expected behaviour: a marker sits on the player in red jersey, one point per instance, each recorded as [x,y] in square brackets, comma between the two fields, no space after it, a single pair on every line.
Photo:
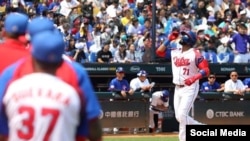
[13,48]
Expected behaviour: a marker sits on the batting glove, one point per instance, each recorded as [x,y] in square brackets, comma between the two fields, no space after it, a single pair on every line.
[174,35]
[190,81]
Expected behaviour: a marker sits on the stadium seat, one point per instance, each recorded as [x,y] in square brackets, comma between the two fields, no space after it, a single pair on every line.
[92,57]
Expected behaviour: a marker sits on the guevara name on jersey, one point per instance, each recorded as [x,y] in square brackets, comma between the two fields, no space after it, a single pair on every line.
[44,109]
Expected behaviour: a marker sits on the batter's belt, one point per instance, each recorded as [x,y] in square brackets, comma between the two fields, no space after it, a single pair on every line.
[180,86]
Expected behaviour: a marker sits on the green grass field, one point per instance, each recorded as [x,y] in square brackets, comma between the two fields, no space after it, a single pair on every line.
[142,138]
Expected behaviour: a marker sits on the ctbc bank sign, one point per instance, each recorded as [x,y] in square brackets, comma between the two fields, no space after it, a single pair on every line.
[210,114]
[222,112]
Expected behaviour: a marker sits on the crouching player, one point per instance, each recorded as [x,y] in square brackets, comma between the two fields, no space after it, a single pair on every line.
[159,104]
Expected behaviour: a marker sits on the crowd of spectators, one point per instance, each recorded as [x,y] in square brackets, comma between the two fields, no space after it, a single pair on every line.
[120,31]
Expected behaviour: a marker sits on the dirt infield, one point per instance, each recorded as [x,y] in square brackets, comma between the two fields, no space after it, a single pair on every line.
[140,135]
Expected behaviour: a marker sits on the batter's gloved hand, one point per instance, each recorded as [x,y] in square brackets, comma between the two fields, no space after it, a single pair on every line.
[190,81]
[174,35]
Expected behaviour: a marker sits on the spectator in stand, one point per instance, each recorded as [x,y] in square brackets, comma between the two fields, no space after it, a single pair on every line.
[127,18]
[65,31]
[248,10]
[161,14]
[138,9]
[113,27]
[12,48]
[16,6]
[147,26]
[114,46]
[224,51]
[219,18]
[147,56]
[234,85]
[119,84]
[231,12]
[114,10]
[80,54]
[102,15]
[212,8]
[202,38]
[211,27]
[41,7]
[224,5]
[211,85]
[61,21]
[104,55]
[240,40]
[210,53]
[121,54]
[54,6]
[106,34]
[74,14]
[237,4]
[133,28]
[132,55]
[201,11]
[85,30]
[97,45]
[96,34]
[66,7]
[243,18]
[70,47]
[225,26]
[143,15]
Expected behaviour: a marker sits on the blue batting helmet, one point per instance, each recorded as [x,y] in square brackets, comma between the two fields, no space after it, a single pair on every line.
[188,38]
[165,95]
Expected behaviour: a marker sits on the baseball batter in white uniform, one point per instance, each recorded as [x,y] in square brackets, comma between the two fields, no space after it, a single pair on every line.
[188,66]
[159,104]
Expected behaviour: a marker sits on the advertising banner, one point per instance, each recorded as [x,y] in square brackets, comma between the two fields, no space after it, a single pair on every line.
[124,113]
[222,112]
[159,69]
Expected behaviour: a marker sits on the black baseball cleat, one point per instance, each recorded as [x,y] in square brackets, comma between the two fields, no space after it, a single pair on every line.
[151,130]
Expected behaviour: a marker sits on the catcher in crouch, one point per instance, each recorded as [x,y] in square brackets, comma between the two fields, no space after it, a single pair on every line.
[159,104]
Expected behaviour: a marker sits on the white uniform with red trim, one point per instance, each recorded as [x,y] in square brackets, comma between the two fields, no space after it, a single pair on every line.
[42,110]
[184,66]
